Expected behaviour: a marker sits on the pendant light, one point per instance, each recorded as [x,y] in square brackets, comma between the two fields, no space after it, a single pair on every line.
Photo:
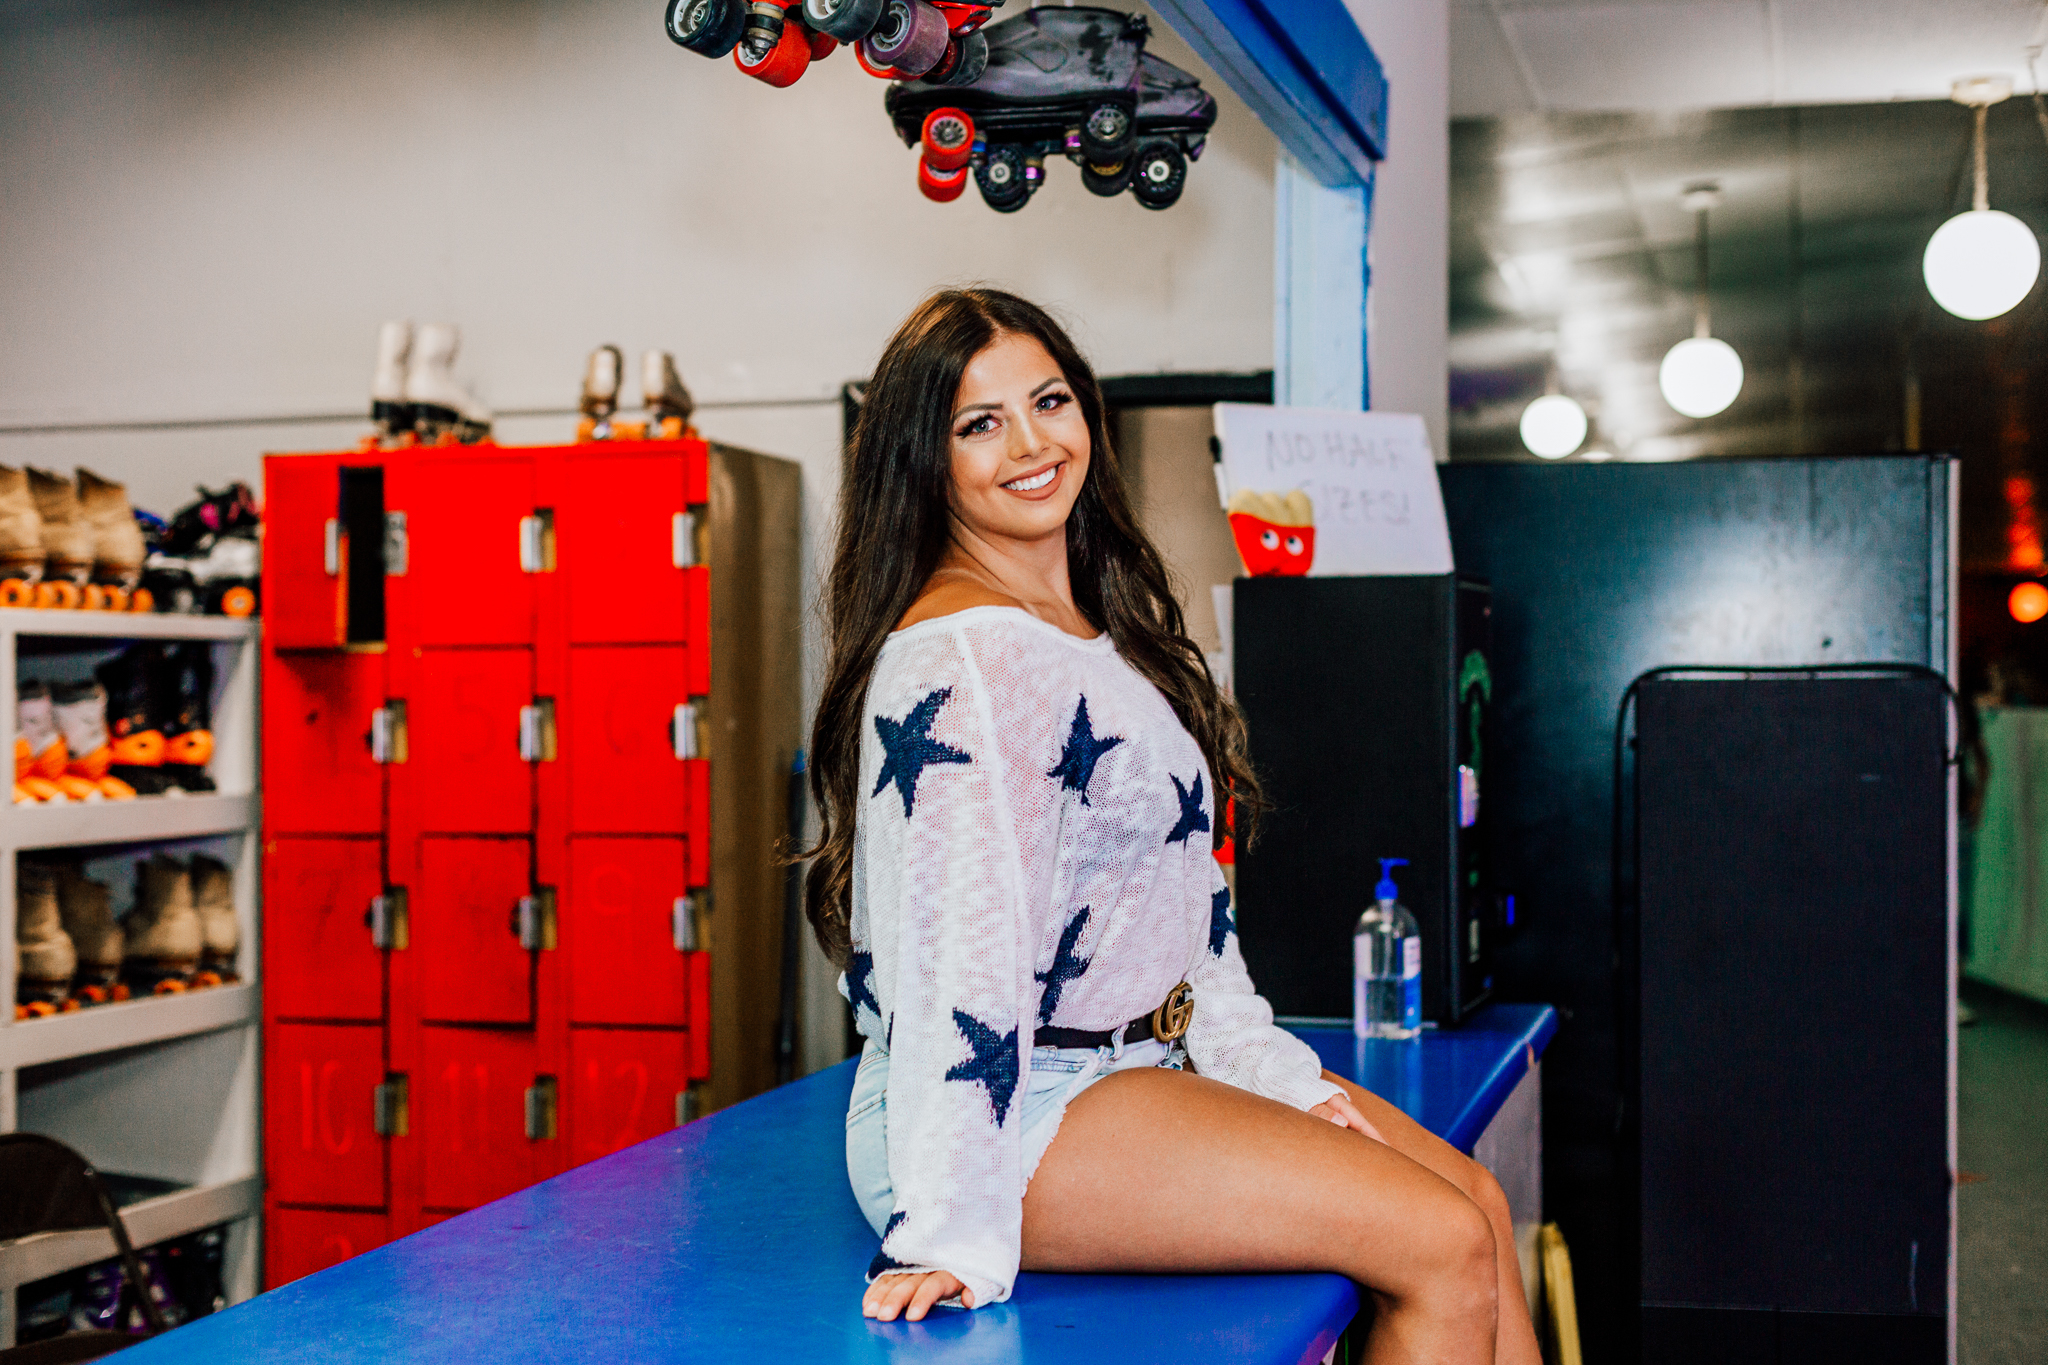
[1553,426]
[1981,263]
[1701,375]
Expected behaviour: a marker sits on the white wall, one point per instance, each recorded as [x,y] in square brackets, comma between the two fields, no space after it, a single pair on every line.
[1407,350]
[210,207]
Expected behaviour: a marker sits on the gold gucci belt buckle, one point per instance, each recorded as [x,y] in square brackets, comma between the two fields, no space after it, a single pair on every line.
[1170,1020]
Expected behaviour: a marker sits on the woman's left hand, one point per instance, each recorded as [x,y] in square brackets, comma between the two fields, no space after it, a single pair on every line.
[911,1295]
[1339,1110]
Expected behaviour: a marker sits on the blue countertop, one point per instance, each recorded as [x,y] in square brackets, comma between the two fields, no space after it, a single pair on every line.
[736,1239]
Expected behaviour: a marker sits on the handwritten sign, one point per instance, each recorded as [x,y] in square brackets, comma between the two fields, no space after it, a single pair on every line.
[1370,476]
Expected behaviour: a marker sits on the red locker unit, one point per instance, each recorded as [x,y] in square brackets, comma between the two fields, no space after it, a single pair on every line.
[489,778]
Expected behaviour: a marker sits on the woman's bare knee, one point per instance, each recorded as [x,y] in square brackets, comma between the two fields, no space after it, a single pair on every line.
[1485,1191]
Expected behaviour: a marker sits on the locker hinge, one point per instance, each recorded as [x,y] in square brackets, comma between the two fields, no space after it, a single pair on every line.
[390,926]
[689,1104]
[684,923]
[540,1109]
[682,729]
[682,531]
[330,547]
[397,544]
[537,731]
[533,921]
[387,732]
[537,542]
[393,1106]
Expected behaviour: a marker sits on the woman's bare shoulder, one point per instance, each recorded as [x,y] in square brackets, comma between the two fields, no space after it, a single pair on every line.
[948,593]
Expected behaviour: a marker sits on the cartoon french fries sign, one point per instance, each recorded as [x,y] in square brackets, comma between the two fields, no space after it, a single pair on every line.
[1275,532]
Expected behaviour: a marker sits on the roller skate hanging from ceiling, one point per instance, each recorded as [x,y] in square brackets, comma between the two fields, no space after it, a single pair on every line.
[1072,82]
[776,40]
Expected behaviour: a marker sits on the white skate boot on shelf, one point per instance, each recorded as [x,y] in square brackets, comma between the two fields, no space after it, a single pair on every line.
[388,408]
[669,404]
[47,958]
[603,377]
[441,408]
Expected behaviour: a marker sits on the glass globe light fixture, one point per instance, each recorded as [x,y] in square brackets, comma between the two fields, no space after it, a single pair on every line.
[1553,426]
[1981,263]
[1701,375]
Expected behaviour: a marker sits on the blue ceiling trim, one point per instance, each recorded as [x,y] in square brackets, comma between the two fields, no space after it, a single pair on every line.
[1305,70]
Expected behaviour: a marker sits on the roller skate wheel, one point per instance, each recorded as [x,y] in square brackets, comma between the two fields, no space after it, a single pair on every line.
[172,986]
[847,20]
[823,45]
[205,979]
[117,993]
[63,595]
[35,1009]
[948,139]
[142,600]
[17,592]
[116,598]
[910,36]
[709,28]
[941,187]
[780,65]
[238,602]
[70,1006]
[95,598]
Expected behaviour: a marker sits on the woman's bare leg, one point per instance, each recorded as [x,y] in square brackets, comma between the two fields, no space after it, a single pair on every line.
[1517,1340]
[1158,1170]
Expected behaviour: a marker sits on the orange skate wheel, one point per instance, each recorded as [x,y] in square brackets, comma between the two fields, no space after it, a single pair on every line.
[79,788]
[41,788]
[238,602]
[202,980]
[16,592]
[142,600]
[35,1009]
[169,986]
[143,749]
[69,1006]
[95,598]
[114,789]
[948,139]
[91,995]
[194,748]
[116,597]
[782,64]
[941,187]
[62,594]
[118,991]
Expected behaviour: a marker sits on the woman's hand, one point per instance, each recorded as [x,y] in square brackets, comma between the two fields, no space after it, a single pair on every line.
[1339,1110]
[887,1296]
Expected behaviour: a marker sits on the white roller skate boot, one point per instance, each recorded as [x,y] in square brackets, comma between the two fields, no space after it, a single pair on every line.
[603,378]
[388,408]
[45,952]
[440,406]
[669,404]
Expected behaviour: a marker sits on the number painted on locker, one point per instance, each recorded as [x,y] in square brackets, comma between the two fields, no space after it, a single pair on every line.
[452,1077]
[316,1110]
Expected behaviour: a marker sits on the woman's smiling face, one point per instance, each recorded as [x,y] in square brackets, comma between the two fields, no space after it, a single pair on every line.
[1020,443]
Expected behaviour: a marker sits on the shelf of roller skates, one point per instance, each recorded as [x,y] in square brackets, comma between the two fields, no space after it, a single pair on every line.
[84,1288]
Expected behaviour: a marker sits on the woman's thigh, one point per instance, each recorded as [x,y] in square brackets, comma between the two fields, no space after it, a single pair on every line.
[1418,1144]
[1160,1171]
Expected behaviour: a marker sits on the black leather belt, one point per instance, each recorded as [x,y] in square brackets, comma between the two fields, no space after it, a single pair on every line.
[1166,1023]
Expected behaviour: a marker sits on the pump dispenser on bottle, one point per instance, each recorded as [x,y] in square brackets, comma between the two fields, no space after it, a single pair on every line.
[1386,964]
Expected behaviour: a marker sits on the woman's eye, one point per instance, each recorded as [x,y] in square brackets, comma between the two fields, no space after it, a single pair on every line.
[980,426]
[1054,400]
[1294,545]
[1270,539]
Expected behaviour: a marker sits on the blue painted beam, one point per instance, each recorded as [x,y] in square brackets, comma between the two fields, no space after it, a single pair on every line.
[1306,72]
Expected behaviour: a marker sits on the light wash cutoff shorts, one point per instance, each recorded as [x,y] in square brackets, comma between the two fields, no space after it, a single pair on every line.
[1057,1075]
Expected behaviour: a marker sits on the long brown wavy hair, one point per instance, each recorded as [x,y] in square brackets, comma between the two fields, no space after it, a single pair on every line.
[894,527]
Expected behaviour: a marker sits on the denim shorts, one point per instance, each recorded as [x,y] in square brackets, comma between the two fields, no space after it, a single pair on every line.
[1057,1075]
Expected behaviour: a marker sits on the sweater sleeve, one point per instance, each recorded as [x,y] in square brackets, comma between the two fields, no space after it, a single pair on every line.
[953,836]
[1232,1036]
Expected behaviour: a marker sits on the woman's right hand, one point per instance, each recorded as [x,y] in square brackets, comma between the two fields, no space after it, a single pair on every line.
[911,1295]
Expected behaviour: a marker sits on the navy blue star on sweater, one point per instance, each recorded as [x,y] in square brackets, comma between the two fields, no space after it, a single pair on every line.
[1083,750]
[1192,816]
[908,748]
[1220,923]
[1065,965]
[883,1261]
[860,976]
[994,1063]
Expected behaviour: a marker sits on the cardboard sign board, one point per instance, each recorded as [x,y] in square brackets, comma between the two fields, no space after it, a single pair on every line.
[1369,477]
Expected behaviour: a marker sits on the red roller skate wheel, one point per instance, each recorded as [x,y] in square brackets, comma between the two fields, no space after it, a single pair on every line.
[880,73]
[948,139]
[941,186]
[823,45]
[784,62]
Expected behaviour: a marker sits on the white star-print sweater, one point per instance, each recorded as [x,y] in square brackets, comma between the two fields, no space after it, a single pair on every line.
[1033,847]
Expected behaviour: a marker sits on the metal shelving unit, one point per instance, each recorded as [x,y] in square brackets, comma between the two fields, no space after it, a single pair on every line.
[164,1087]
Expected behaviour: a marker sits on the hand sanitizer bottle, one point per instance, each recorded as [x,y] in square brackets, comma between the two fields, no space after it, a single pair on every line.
[1386,965]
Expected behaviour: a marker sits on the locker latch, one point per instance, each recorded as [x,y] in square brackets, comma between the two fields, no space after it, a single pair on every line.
[387,732]
[688,1105]
[682,532]
[392,1106]
[537,731]
[684,924]
[330,547]
[390,926]
[397,544]
[534,920]
[537,542]
[682,730]
[540,1109]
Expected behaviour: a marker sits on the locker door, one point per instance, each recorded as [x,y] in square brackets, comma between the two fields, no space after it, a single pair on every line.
[471,966]
[624,776]
[700,1016]
[623,1085]
[297,1242]
[464,516]
[463,731]
[320,1141]
[471,1107]
[629,546]
[320,961]
[619,929]
[303,600]
[318,776]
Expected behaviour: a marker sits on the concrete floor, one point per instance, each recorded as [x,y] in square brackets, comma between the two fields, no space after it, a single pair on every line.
[2002,1262]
